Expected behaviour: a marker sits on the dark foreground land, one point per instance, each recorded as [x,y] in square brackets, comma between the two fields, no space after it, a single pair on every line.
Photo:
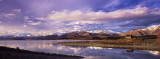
[121,44]
[11,53]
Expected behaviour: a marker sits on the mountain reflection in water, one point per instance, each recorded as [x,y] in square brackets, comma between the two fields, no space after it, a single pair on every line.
[49,46]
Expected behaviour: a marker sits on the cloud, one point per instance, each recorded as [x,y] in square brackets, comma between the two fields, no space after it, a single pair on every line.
[29,21]
[7,28]
[17,10]
[26,18]
[66,20]
[34,23]
[70,15]
[8,15]
[40,18]
[78,17]
[24,25]
[19,29]
[112,3]
[81,22]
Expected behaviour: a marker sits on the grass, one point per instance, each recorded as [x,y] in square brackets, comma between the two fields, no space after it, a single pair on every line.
[121,43]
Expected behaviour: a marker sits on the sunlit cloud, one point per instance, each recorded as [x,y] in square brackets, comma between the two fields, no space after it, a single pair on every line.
[8,15]
[91,17]
[60,16]
[34,23]
[17,10]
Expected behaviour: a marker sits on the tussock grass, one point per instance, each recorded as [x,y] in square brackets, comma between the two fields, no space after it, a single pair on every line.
[121,43]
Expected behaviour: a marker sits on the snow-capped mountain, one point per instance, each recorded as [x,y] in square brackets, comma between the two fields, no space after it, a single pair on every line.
[15,34]
[151,30]
[104,31]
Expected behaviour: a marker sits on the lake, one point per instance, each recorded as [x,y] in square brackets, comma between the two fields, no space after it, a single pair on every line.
[49,46]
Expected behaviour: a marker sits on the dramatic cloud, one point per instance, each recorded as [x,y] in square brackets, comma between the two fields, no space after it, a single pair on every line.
[78,17]
[60,16]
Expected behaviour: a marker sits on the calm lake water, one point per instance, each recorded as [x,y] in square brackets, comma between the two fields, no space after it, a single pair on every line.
[49,46]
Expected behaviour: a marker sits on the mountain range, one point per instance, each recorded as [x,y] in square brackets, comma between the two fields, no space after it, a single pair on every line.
[151,30]
[15,34]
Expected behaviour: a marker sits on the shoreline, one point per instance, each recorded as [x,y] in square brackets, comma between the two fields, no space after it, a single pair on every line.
[12,53]
[142,45]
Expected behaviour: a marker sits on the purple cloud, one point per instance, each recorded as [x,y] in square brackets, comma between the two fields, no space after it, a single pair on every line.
[52,16]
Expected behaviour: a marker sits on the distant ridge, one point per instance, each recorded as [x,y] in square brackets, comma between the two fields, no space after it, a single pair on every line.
[151,30]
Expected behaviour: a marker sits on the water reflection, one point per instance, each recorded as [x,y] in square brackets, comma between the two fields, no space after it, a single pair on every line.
[88,52]
[154,52]
[95,47]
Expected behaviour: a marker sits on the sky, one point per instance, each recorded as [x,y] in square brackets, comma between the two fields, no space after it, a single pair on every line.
[44,17]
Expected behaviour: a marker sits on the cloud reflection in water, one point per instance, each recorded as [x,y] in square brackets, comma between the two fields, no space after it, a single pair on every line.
[88,52]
